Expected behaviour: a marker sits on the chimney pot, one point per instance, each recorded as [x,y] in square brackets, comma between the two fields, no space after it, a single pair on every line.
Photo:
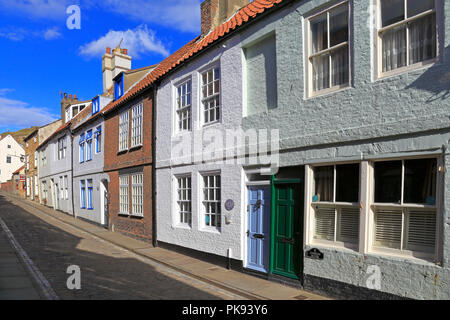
[70,96]
[125,51]
[108,50]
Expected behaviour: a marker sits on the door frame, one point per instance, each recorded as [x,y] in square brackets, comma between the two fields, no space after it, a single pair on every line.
[56,195]
[104,202]
[273,183]
[265,185]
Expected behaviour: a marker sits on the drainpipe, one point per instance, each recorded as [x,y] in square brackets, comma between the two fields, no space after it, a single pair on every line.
[71,171]
[154,117]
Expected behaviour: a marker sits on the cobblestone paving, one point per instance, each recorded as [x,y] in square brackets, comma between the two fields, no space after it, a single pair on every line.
[107,272]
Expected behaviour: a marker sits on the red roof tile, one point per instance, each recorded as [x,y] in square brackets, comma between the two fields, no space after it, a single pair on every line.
[18,170]
[244,15]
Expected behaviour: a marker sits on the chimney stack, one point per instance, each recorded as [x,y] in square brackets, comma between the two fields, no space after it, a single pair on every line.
[216,12]
[113,64]
[66,101]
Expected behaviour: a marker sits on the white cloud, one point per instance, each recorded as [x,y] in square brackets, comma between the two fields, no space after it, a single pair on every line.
[52,33]
[19,114]
[49,9]
[138,41]
[19,34]
[183,15]
[13,34]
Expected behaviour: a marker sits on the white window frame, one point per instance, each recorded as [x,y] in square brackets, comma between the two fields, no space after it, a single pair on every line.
[183,198]
[183,110]
[35,159]
[61,188]
[337,207]
[404,208]
[62,148]
[309,55]
[137,194]
[210,97]
[379,43]
[124,194]
[28,186]
[83,189]
[137,117]
[98,140]
[36,186]
[123,130]
[206,201]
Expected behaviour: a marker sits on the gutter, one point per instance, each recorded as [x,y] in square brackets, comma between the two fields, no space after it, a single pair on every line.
[71,171]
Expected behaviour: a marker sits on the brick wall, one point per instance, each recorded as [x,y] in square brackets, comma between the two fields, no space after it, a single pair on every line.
[32,171]
[128,162]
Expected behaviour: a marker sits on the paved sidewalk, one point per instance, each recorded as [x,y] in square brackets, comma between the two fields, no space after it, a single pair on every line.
[16,283]
[239,283]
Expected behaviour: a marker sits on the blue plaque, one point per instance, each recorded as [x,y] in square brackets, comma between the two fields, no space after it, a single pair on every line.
[229,205]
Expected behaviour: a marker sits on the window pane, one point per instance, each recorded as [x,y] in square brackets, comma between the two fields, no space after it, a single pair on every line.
[392,11]
[422,35]
[421,229]
[394,48]
[324,224]
[324,179]
[339,66]
[321,72]
[339,25]
[420,181]
[388,181]
[347,183]
[319,34]
[419,6]
[388,228]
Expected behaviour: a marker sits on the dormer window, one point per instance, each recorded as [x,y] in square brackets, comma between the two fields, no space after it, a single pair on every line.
[72,111]
[118,87]
[96,105]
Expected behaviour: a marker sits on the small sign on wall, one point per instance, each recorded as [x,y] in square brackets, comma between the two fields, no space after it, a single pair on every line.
[314,254]
[229,205]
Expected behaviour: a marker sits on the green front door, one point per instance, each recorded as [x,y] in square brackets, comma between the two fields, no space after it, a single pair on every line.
[287,228]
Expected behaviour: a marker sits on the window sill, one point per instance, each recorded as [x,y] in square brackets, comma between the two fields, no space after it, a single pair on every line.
[122,151]
[210,124]
[212,230]
[183,226]
[135,148]
[404,70]
[349,247]
[123,214]
[329,91]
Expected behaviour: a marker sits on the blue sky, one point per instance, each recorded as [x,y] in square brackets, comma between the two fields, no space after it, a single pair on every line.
[40,57]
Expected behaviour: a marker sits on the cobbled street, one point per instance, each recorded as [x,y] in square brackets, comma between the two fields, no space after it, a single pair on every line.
[107,271]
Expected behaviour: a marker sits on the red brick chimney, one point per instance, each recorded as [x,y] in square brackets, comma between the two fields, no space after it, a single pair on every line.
[216,12]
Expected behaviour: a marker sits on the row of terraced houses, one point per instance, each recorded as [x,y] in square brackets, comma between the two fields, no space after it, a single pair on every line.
[300,141]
